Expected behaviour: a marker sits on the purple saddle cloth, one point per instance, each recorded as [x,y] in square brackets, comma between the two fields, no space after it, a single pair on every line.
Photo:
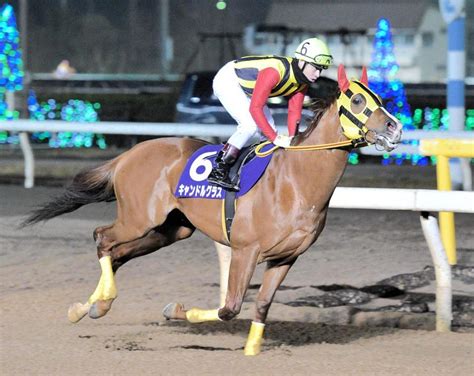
[193,181]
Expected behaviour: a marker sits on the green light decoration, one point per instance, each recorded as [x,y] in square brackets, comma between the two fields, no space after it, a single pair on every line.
[74,110]
[221,5]
[469,120]
[11,79]
[353,158]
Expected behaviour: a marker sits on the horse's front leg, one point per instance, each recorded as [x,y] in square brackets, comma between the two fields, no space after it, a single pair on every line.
[242,266]
[272,278]
[100,301]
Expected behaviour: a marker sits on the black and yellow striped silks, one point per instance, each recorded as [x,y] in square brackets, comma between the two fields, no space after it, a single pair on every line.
[248,68]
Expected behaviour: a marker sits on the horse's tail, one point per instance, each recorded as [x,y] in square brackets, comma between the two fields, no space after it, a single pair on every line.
[88,186]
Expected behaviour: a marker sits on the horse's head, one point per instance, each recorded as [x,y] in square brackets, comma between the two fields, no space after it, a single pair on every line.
[362,115]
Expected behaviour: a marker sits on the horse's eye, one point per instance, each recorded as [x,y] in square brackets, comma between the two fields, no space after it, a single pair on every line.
[358,103]
[357,100]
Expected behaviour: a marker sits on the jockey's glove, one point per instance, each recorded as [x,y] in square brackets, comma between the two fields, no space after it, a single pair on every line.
[282,141]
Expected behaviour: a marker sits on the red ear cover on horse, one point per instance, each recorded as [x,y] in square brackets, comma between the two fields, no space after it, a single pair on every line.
[363,78]
[342,80]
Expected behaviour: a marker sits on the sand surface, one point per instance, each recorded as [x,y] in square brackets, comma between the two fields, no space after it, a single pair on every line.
[47,267]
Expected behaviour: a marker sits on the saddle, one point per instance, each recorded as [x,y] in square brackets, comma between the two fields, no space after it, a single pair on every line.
[246,155]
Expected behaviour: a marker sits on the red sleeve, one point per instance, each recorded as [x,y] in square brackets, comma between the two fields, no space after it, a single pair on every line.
[267,79]
[295,106]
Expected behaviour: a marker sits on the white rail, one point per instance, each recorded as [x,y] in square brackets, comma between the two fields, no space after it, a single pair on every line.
[177,129]
[420,200]
[125,128]
[182,129]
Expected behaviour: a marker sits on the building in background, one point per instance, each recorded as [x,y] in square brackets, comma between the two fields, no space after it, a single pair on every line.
[348,26]
[126,36]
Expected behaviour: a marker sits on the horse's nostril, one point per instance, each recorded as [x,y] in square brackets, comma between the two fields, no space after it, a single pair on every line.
[391,125]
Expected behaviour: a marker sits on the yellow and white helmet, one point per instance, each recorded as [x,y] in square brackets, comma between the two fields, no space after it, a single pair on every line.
[314,51]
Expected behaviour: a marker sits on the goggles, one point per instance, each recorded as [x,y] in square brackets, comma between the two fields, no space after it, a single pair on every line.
[322,60]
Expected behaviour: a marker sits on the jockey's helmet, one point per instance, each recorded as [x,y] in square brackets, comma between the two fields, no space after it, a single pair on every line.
[315,52]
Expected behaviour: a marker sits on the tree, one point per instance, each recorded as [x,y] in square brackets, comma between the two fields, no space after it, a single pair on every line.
[11,64]
[382,75]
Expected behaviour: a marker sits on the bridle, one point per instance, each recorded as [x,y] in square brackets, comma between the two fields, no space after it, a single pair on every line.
[353,124]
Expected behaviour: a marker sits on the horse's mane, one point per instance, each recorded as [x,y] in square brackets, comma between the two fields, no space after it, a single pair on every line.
[319,106]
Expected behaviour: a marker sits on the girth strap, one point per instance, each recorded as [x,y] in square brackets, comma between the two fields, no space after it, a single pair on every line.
[229,203]
[228,212]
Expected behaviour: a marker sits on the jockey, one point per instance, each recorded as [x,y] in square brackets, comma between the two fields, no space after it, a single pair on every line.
[243,86]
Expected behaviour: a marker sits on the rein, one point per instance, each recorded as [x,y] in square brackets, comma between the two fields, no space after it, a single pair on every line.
[333,145]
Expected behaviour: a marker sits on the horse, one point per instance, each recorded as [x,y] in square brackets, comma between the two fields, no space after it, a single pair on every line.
[294,192]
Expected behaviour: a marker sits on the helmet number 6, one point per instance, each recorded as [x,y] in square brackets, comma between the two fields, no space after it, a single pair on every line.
[304,48]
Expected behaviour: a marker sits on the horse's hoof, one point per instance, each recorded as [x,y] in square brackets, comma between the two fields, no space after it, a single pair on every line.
[100,308]
[172,310]
[77,311]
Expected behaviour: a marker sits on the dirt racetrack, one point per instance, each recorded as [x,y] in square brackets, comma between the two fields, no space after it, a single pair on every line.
[47,267]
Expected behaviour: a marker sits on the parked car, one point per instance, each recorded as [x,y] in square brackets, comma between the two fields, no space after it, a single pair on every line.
[198,104]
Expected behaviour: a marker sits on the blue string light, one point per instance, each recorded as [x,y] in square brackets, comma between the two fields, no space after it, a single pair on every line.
[382,79]
[11,64]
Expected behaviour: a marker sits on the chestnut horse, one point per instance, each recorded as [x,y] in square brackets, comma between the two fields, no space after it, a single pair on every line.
[294,192]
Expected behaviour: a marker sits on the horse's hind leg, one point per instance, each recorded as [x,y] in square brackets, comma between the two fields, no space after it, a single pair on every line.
[175,228]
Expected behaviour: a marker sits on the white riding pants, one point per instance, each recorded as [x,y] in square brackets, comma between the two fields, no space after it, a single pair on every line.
[227,88]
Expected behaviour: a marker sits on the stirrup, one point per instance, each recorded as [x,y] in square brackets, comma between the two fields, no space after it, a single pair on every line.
[224,184]
[216,175]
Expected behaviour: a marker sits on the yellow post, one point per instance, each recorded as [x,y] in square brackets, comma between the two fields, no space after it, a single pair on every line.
[446,219]
[444,149]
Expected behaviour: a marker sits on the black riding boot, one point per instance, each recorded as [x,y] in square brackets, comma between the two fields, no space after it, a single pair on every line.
[224,161]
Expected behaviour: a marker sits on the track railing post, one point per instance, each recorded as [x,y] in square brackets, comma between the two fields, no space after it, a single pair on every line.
[444,149]
[442,272]
[29,160]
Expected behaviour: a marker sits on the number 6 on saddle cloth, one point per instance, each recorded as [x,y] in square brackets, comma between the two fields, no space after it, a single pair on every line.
[246,171]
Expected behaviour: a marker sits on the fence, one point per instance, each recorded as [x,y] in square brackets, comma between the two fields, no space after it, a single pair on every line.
[178,129]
